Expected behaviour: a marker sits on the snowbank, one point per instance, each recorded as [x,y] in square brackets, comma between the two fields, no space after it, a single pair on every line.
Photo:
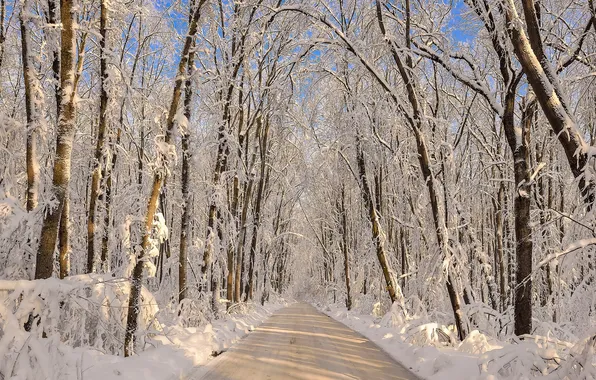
[178,349]
[68,329]
[429,350]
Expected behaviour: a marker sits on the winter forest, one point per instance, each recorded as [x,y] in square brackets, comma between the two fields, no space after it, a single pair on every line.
[174,172]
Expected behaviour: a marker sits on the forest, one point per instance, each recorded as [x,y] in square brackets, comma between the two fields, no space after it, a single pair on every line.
[169,166]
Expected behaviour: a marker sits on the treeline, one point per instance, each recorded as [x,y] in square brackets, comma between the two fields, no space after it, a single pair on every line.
[427,154]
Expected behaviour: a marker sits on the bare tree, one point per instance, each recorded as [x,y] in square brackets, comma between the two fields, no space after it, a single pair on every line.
[33,107]
[529,50]
[101,133]
[64,140]
[158,180]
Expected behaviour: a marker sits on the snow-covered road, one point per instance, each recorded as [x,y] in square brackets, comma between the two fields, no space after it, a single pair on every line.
[298,342]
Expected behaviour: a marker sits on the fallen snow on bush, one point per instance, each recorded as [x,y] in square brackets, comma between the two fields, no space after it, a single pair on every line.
[179,349]
[430,350]
[67,329]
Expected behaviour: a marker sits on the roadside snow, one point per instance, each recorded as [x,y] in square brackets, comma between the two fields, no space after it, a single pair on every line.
[429,350]
[178,350]
[428,362]
[79,320]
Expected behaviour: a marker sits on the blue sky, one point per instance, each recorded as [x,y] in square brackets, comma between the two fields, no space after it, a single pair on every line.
[459,30]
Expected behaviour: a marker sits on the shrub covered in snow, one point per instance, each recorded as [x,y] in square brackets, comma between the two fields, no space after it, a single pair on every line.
[433,350]
[40,320]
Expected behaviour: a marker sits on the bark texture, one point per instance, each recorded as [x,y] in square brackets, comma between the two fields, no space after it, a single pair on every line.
[186,158]
[44,267]
[32,110]
[101,133]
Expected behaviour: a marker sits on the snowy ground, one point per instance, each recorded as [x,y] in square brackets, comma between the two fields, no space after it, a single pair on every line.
[74,309]
[301,343]
[181,349]
[427,362]
[478,357]
[89,311]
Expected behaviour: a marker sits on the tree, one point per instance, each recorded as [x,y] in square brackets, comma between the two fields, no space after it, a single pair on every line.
[101,133]
[34,104]
[530,52]
[185,178]
[64,139]
[158,180]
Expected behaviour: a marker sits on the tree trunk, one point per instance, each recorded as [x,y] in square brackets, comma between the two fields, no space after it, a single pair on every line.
[499,242]
[523,229]
[263,143]
[137,274]
[101,132]
[2,34]
[183,258]
[242,241]
[209,240]
[105,239]
[230,279]
[344,247]
[546,87]
[186,158]
[165,251]
[63,239]
[518,140]
[377,233]
[64,140]
[247,198]
[265,293]
[53,20]
[404,256]
[159,177]
[215,288]
[31,109]
[232,265]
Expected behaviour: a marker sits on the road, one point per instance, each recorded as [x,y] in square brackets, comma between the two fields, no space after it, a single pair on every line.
[300,343]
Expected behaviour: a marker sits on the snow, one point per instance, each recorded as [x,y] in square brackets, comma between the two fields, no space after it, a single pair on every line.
[178,350]
[302,89]
[428,362]
[426,349]
[81,318]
